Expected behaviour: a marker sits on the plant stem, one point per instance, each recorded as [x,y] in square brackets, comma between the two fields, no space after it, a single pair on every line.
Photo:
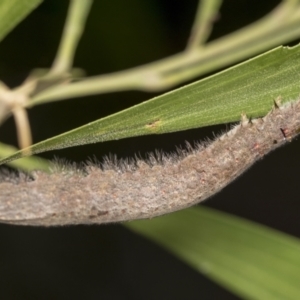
[74,26]
[206,13]
[281,25]
[23,127]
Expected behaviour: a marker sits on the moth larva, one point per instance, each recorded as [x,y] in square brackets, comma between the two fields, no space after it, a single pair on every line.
[142,190]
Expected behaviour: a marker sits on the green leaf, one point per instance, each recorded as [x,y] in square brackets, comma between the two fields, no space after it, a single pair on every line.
[250,87]
[252,261]
[12,12]
[25,164]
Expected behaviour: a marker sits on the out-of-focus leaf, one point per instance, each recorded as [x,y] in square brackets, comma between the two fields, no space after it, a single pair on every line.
[250,260]
[26,164]
[12,12]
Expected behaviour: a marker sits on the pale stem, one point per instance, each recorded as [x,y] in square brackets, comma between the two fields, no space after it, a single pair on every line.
[23,127]
[74,26]
[281,25]
[207,12]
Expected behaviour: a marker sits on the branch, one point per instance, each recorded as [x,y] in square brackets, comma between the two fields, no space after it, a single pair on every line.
[74,26]
[122,192]
[207,12]
[278,27]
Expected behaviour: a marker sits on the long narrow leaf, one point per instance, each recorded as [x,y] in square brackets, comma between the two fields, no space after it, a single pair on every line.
[250,87]
[12,12]
[26,164]
[252,261]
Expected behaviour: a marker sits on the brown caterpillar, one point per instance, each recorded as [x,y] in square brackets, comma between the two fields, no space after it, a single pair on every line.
[146,189]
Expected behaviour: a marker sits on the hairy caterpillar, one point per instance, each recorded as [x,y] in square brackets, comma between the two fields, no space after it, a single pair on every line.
[146,189]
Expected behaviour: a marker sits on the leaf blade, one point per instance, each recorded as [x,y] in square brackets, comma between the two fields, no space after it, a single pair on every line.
[26,164]
[12,12]
[251,260]
[250,87]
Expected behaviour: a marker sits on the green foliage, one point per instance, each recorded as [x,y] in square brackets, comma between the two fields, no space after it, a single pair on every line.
[12,12]
[250,260]
[250,87]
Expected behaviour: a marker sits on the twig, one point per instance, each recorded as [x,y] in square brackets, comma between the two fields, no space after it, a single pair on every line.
[282,24]
[15,101]
[23,127]
[203,23]
[74,26]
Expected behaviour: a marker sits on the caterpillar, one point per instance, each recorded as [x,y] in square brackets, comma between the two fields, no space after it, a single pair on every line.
[145,189]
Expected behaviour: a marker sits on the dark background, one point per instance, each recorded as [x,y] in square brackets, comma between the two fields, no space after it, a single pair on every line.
[110,262]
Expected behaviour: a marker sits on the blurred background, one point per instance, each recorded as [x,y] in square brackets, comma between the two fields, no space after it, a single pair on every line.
[110,262]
